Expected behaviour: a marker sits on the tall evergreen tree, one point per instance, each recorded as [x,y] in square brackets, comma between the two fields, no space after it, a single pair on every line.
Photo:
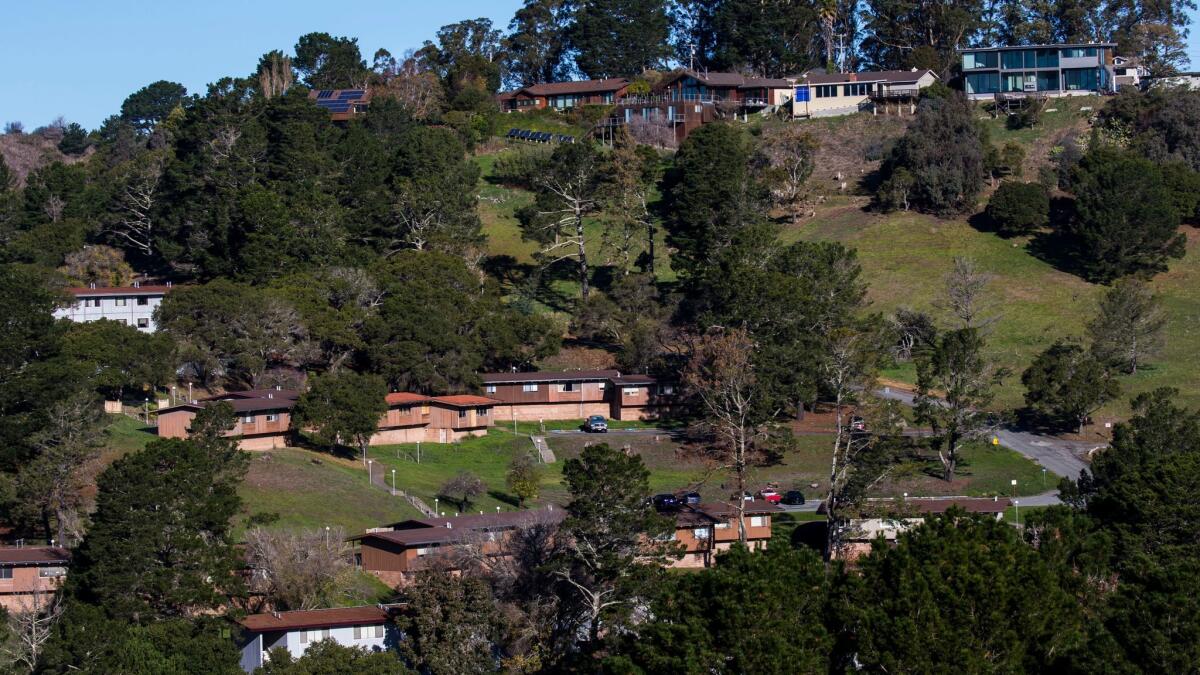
[536,49]
[619,38]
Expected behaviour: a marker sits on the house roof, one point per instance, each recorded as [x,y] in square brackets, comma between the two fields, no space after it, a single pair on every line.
[465,400]
[270,400]
[721,510]
[119,290]
[550,376]
[34,555]
[887,76]
[1065,45]
[931,505]
[315,618]
[405,397]
[255,393]
[727,80]
[575,87]
[633,380]
[423,531]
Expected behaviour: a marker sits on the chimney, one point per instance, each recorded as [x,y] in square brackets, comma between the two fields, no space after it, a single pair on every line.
[854,77]
[279,387]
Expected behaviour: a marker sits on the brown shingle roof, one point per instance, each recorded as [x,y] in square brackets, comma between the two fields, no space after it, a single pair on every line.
[633,379]
[465,400]
[403,397]
[34,555]
[576,87]
[315,618]
[119,290]
[550,376]
[888,76]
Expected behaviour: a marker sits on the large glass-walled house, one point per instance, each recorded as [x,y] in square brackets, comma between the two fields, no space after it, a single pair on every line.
[1050,70]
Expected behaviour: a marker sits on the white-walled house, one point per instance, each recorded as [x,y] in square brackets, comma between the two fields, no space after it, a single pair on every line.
[131,305]
[369,627]
[830,94]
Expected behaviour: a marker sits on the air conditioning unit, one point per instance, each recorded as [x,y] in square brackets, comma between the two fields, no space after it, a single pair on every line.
[1031,86]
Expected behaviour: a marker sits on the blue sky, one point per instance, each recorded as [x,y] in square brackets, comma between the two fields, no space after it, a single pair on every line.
[81,58]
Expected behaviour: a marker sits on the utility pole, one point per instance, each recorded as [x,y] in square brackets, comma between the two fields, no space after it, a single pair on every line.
[691,57]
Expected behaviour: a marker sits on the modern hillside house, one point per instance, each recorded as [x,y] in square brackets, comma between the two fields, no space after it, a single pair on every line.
[1044,70]
[341,104]
[131,305]
[563,95]
[829,94]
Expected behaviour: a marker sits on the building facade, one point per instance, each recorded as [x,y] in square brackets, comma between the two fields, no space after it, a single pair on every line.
[564,95]
[341,104]
[831,94]
[131,305]
[30,574]
[705,530]
[264,417]
[1043,70]
[369,627]
[576,394]
[884,520]
[415,418]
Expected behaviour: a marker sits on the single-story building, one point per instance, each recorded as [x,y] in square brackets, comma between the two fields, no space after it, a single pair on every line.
[889,518]
[576,394]
[27,571]
[708,529]
[368,627]
[397,551]
[829,94]
[563,95]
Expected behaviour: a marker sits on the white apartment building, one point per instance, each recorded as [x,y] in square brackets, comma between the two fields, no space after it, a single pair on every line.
[368,627]
[132,305]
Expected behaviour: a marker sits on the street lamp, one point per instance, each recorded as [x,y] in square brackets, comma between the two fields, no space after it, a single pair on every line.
[1043,478]
[435,506]
[370,464]
[393,482]
[1017,511]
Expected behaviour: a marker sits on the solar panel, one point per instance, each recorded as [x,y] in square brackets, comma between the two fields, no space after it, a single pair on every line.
[343,107]
[350,94]
[324,93]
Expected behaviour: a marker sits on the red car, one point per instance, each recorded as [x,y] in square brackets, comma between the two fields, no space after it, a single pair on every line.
[770,496]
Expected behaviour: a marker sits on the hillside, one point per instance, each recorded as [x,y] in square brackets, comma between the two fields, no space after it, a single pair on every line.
[26,153]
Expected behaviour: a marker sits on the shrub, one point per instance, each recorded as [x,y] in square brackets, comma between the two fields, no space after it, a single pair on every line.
[1019,208]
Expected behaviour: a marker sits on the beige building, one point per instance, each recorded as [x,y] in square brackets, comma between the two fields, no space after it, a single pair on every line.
[881,91]
[30,574]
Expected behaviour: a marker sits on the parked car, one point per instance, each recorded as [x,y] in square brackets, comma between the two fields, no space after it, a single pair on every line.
[770,496]
[746,496]
[858,424]
[793,498]
[689,498]
[596,424]
[666,502]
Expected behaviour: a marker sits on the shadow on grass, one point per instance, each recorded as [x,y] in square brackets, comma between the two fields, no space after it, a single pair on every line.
[504,497]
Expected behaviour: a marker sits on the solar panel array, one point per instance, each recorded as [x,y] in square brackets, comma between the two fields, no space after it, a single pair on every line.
[538,136]
[339,101]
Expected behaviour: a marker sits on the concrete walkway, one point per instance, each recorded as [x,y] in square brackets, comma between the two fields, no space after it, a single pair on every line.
[543,448]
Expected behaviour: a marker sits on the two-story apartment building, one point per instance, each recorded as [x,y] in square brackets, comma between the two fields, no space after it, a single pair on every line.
[576,394]
[886,519]
[29,571]
[708,529]
[1043,70]
[131,305]
[368,627]
[830,94]
[563,95]
[264,417]
[413,418]
[395,552]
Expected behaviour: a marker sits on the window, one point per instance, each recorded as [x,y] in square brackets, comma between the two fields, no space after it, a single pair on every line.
[601,385]
[462,413]
[272,417]
[52,572]
[368,632]
[1047,58]
[120,302]
[529,387]
[700,533]
[631,391]
[247,419]
[481,411]
[143,301]
[859,89]
[758,521]
[1081,79]
[1013,59]
[313,635]
[567,386]
[406,410]
[6,573]
[490,389]
[980,60]
[722,526]
[143,323]
[666,389]
[1078,52]
[422,552]
[826,90]
[91,302]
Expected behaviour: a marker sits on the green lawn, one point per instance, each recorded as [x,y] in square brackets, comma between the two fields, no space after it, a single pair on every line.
[311,490]
[124,435]
[983,471]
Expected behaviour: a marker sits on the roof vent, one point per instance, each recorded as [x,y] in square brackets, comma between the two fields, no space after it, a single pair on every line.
[270,395]
[92,285]
[449,525]
[168,284]
[137,284]
[275,614]
[914,69]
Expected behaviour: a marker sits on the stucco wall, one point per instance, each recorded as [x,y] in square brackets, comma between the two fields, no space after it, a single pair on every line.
[549,411]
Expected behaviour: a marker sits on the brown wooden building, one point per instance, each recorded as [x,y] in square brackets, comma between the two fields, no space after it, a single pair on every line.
[264,417]
[708,529]
[413,418]
[576,394]
[27,572]
[563,95]
[342,104]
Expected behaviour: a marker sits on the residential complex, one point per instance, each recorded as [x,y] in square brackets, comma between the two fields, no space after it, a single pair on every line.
[368,627]
[576,394]
[708,529]
[1047,70]
[886,519]
[264,418]
[131,305]
[29,571]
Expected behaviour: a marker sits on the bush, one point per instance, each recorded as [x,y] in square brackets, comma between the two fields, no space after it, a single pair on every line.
[516,168]
[75,140]
[1019,208]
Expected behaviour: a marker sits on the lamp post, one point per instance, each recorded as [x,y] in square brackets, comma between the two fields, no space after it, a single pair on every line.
[1043,478]
[1017,511]
[393,482]
[435,507]
[370,465]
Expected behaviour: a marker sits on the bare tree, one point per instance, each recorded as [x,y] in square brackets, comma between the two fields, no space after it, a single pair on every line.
[136,193]
[966,288]
[786,156]
[721,376]
[54,208]
[416,87]
[98,264]
[275,74]
[466,486]
[1128,327]
[50,487]
[568,187]
[656,131]
[31,625]
[631,175]
[301,569]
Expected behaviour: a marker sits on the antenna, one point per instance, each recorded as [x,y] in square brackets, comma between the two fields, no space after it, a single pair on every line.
[691,56]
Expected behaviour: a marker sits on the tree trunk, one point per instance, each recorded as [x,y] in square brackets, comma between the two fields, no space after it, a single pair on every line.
[583,263]
[650,249]
[740,468]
